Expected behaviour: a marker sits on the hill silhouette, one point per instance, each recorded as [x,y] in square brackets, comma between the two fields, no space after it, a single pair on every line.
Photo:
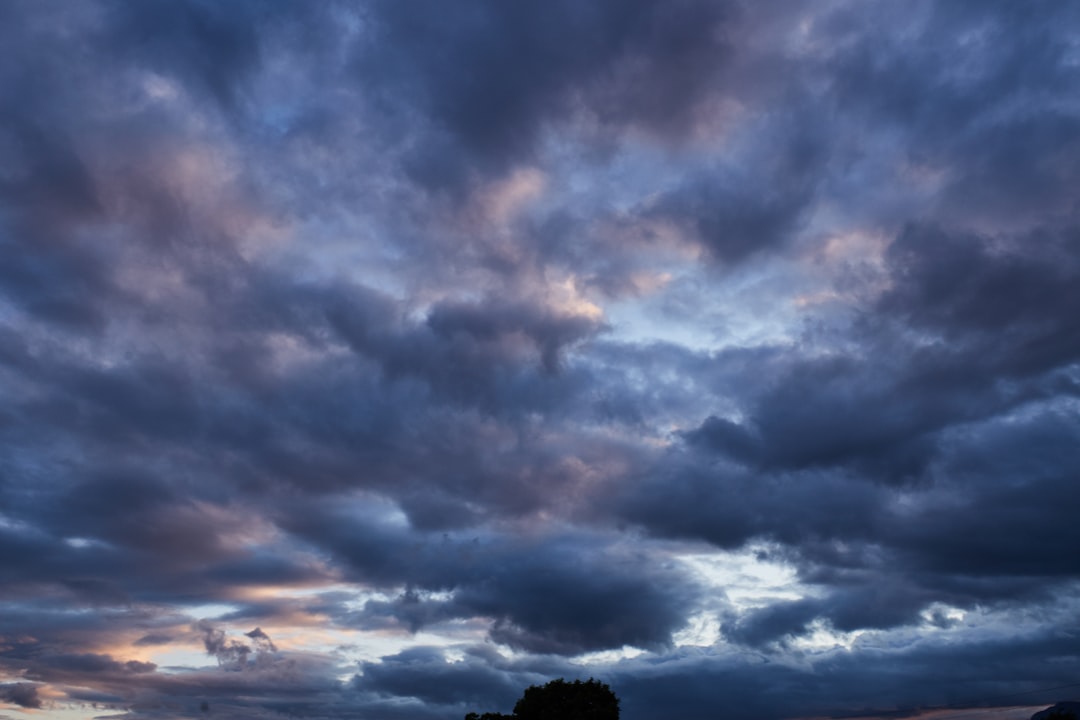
[1068,710]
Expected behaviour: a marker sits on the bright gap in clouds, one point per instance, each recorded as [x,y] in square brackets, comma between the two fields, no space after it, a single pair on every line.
[680,312]
[748,578]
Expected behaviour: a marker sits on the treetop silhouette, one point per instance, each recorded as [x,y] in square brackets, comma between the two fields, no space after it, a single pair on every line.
[562,700]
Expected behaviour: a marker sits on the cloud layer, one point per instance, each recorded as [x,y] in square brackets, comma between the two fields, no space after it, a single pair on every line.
[375,359]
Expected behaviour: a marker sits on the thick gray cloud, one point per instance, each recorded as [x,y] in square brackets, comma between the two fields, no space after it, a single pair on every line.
[21,694]
[489,79]
[375,359]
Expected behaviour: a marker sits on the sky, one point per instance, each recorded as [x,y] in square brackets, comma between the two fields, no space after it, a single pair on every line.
[380,359]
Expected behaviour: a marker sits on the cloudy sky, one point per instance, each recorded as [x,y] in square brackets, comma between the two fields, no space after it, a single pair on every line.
[377,359]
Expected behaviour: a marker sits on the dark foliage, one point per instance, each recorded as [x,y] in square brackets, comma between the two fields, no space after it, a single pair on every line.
[562,700]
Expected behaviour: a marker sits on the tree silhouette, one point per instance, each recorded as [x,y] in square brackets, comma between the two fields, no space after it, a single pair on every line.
[562,700]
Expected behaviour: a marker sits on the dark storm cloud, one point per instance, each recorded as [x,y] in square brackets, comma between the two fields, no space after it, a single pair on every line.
[728,507]
[84,664]
[213,48]
[1008,301]
[978,333]
[960,92]
[22,694]
[50,188]
[970,327]
[755,203]
[545,596]
[491,77]
[424,673]
[846,412]
[461,348]
[842,683]
[880,603]
[96,146]
[987,527]
[1015,526]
